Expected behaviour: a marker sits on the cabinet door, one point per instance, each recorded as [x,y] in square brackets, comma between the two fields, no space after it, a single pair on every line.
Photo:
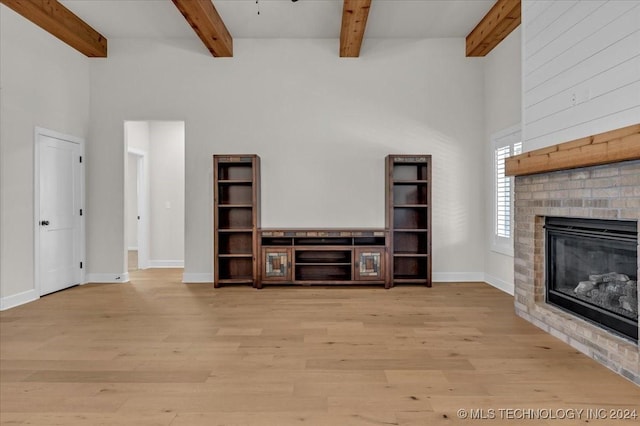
[276,263]
[369,264]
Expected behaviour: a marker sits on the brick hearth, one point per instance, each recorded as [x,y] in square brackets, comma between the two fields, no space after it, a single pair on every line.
[609,191]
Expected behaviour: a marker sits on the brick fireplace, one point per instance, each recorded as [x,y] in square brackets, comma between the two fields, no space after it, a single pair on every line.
[606,191]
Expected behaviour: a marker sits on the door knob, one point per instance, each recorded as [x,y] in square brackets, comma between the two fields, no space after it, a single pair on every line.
[44,223]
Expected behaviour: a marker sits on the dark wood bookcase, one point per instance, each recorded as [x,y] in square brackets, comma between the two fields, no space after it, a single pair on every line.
[408,218]
[236,186]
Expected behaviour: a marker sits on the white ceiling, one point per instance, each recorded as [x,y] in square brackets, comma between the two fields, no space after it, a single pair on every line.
[283,18]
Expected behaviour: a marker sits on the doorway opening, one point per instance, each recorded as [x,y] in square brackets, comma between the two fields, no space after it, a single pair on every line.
[154,194]
[136,210]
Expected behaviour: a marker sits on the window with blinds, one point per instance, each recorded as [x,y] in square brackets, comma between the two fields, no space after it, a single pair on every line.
[504,192]
[505,144]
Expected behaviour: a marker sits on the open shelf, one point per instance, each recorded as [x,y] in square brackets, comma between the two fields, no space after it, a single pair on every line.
[322,241]
[238,217]
[235,243]
[248,280]
[235,194]
[235,171]
[235,268]
[409,268]
[409,280]
[323,272]
[277,241]
[410,172]
[410,217]
[341,257]
[369,241]
[409,243]
[410,194]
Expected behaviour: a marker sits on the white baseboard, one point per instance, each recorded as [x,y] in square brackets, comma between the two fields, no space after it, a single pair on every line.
[14,300]
[108,278]
[450,277]
[166,264]
[132,248]
[505,286]
[197,277]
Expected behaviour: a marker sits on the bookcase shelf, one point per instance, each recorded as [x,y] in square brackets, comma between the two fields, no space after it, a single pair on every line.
[235,182]
[410,182]
[235,206]
[408,218]
[237,168]
[236,218]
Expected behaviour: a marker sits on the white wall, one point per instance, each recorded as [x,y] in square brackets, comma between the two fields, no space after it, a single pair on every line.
[502,110]
[44,83]
[581,70]
[166,173]
[132,202]
[137,135]
[321,124]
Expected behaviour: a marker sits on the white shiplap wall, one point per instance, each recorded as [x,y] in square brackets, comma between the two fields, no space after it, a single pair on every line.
[581,68]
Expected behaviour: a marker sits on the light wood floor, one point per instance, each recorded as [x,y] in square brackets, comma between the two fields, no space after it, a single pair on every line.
[158,352]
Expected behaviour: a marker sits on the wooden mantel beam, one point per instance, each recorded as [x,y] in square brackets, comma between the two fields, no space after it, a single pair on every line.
[354,22]
[56,19]
[621,144]
[207,23]
[496,25]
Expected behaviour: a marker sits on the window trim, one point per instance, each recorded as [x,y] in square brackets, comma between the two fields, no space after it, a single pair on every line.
[506,137]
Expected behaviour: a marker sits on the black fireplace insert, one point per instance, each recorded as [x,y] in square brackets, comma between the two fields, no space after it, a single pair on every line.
[592,271]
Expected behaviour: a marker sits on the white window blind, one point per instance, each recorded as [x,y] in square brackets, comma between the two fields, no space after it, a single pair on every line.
[504,193]
[505,144]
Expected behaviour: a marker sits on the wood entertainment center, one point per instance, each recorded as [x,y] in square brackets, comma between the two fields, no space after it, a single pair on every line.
[246,254]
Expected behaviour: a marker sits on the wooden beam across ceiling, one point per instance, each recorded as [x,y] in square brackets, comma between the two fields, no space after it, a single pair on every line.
[496,25]
[354,22]
[56,19]
[207,23]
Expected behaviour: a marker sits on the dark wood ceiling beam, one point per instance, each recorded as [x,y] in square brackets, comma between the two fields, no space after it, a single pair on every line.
[56,19]
[354,22]
[496,25]
[207,23]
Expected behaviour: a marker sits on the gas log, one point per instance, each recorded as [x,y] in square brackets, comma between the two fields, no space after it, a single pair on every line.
[612,290]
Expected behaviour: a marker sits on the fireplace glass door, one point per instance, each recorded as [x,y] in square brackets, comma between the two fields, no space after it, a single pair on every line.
[592,271]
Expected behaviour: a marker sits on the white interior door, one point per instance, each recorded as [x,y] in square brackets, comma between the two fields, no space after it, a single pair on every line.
[59,222]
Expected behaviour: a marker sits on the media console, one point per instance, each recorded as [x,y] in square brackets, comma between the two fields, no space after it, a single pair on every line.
[328,256]
[244,253]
